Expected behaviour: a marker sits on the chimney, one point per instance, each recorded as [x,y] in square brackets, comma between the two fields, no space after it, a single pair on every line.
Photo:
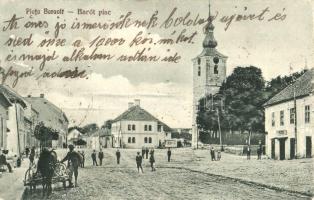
[137,102]
[130,104]
[42,95]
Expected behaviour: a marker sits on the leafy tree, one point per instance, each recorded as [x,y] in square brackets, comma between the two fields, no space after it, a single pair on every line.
[45,134]
[107,124]
[238,103]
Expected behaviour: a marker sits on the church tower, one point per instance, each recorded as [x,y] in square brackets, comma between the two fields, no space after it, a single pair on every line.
[209,72]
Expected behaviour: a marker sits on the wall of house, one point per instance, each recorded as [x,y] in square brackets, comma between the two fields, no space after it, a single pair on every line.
[120,131]
[3,126]
[288,129]
[15,123]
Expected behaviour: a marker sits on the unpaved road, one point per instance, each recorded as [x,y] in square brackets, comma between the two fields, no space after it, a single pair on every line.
[111,181]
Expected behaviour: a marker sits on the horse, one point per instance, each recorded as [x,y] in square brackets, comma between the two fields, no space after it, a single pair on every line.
[46,166]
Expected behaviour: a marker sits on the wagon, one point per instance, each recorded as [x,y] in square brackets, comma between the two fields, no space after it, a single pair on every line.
[33,178]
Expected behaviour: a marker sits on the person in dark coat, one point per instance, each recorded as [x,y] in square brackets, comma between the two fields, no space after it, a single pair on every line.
[212,153]
[83,160]
[100,156]
[26,151]
[139,160]
[152,161]
[3,161]
[143,152]
[248,152]
[94,158]
[118,155]
[74,160]
[169,154]
[146,152]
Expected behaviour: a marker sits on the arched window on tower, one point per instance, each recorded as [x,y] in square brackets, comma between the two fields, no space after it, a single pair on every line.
[198,61]
[149,140]
[145,140]
[199,71]
[216,69]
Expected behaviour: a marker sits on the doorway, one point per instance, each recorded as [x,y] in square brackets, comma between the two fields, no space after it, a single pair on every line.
[282,148]
[308,146]
[292,148]
[273,148]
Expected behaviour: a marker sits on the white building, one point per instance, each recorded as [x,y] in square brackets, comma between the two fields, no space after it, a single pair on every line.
[209,72]
[287,136]
[16,135]
[137,128]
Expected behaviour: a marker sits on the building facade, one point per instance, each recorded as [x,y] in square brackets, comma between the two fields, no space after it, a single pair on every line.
[52,117]
[209,72]
[289,136]
[4,106]
[16,134]
[136,128]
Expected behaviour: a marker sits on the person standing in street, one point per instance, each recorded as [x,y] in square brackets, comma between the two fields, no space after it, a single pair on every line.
[146,152]
[94,158]
[218,155]
[212,153]
[74,159]
[83,160]
[248,152]
[143,151]
[169,154]
[100,156]
[152,161]
[27,151]
[118,155]
[139,160]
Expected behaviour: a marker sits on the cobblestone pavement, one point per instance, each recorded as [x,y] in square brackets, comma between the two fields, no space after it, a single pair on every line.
[170,181]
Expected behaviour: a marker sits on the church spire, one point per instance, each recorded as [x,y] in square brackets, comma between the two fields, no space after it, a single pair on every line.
[209,40]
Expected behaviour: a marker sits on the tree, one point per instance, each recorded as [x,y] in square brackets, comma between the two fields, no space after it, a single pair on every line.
[107,124]
[238,103]
[45,134]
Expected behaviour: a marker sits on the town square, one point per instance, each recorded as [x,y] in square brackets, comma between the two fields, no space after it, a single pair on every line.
[156,100]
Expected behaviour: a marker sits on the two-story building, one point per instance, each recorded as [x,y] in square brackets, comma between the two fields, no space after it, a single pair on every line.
[137,128]
[289,121]
[52,116]
[16,135]
[4,112]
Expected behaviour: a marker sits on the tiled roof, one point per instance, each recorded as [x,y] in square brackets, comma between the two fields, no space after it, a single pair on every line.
[303,86]
[12,95]
[47,110]
[136,113]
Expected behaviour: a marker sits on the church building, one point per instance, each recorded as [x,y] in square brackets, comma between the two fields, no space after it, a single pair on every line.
[209,72]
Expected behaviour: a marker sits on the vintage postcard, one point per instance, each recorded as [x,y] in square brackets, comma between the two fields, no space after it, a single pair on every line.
[156,99]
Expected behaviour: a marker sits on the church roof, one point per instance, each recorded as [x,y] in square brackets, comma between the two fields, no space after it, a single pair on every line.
[303,86]
[211,52]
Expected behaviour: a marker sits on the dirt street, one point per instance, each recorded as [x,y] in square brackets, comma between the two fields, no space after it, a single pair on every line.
[170,181]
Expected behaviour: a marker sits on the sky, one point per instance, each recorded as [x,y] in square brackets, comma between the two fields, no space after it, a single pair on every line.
[165,89]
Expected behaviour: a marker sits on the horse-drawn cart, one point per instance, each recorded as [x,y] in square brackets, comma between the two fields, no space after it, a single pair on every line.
[33,177]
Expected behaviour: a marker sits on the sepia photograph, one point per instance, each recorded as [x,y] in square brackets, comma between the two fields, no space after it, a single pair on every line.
[156,99]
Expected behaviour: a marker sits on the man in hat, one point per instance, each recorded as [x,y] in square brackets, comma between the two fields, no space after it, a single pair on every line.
[74,160]
[118,155]
[139,159]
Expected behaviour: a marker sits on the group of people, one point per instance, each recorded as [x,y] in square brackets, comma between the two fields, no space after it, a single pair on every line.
[100,157]
[213,154]
[139,159]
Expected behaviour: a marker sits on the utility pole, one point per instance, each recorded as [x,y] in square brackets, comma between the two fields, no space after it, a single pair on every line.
[295,123]
[221,147]
[17,129]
